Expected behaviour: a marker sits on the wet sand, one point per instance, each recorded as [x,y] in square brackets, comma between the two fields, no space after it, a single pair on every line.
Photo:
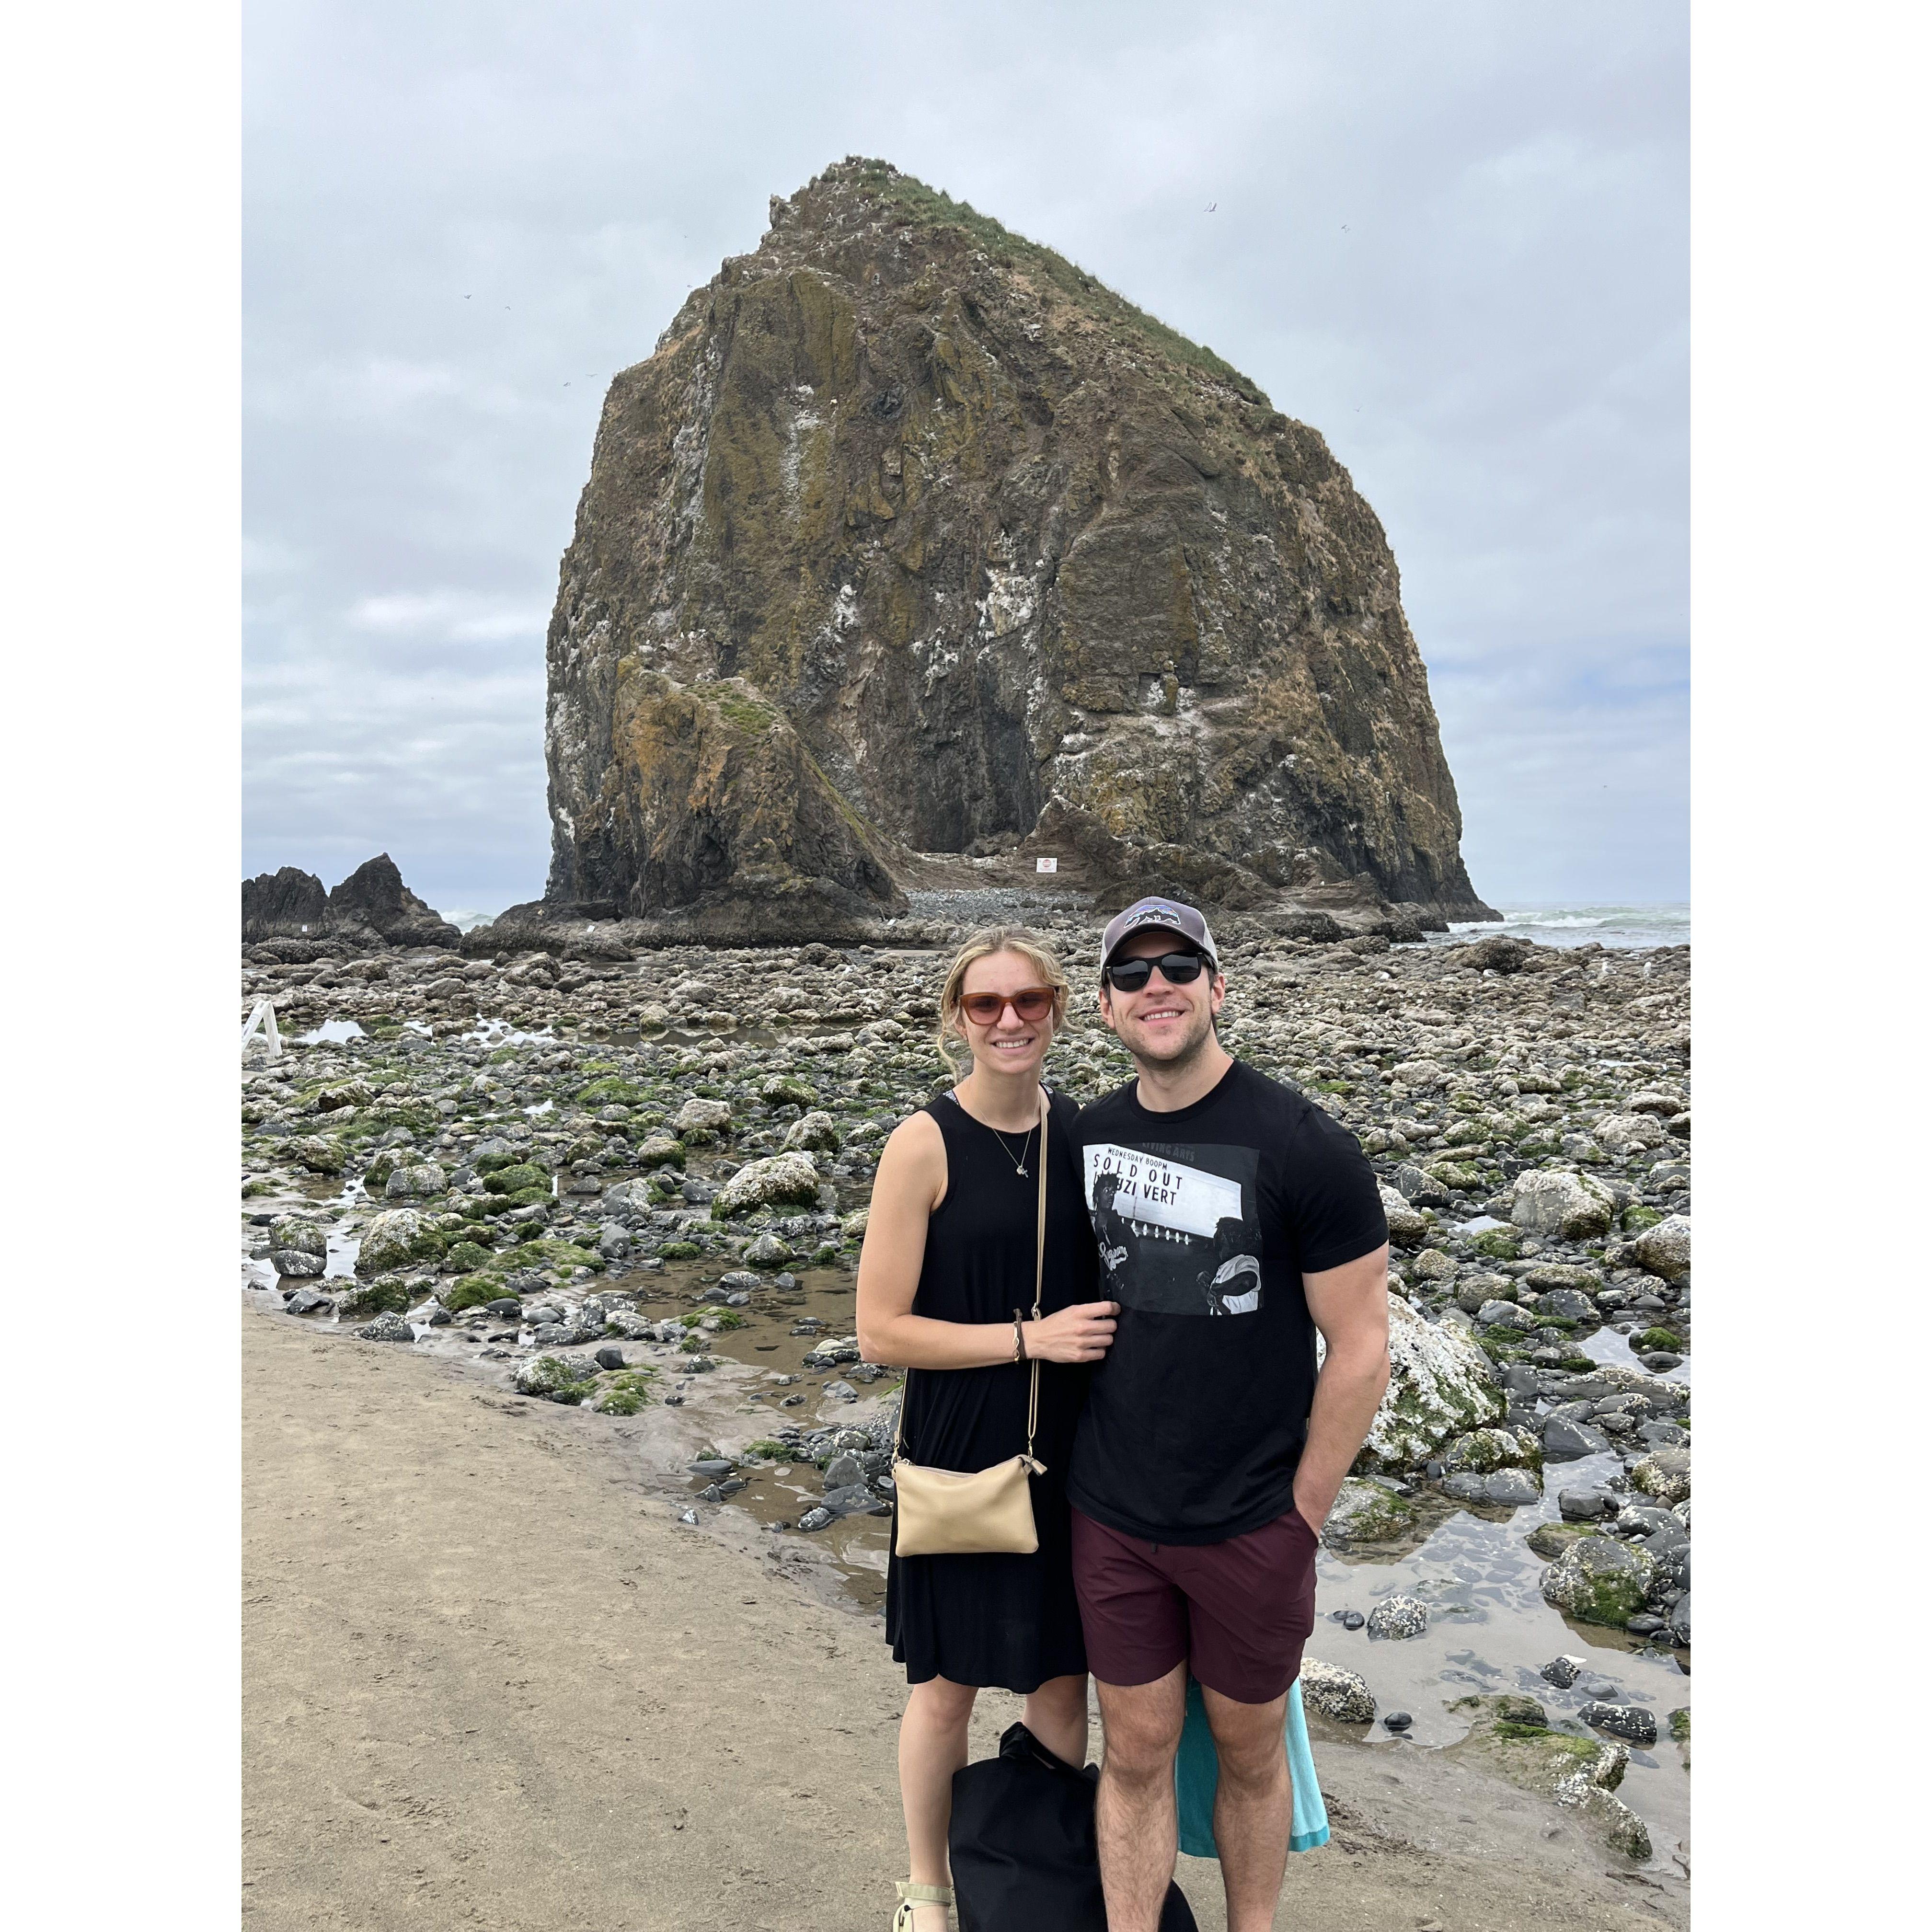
[490,1682]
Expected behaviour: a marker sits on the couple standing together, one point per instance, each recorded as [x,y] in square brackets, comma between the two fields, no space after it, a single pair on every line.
[1201,1224]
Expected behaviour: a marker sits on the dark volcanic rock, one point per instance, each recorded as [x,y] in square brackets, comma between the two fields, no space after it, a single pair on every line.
[372,906]
[911,537]
[287,904]
[1497,954]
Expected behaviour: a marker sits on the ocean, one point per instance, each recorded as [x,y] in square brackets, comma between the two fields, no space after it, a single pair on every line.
[1618,925]
[1621,926]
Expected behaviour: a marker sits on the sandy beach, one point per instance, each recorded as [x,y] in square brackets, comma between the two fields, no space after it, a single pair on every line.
[491,1681]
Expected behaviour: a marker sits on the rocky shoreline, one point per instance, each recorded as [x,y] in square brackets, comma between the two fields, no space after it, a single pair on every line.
[634,1183]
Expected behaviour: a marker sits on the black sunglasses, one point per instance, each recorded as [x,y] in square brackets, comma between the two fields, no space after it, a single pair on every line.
[1178,969]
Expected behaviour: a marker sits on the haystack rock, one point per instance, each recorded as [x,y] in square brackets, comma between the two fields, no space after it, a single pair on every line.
[912,539]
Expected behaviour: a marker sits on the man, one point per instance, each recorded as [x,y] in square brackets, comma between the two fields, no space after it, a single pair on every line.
[1210,1453]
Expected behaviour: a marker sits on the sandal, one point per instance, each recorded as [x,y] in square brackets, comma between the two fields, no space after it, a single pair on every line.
[911,1894]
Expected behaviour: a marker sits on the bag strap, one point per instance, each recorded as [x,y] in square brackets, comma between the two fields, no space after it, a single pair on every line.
[1039,1278]
[1038,1272]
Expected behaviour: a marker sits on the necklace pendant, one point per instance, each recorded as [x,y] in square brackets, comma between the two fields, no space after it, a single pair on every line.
[1021,1171]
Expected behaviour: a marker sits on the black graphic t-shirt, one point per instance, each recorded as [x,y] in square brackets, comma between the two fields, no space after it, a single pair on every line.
[1207,1219]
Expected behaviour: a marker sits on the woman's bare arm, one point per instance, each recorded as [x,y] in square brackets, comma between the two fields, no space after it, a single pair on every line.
[909,1184]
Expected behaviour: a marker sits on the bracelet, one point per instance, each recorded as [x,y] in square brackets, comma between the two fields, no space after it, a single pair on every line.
[1019,1338]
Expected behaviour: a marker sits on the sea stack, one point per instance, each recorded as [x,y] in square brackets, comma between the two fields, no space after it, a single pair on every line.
[912,539]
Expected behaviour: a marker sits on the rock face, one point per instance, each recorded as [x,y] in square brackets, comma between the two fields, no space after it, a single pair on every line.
[371,907]
[911,537]
[1440,1384]
[287,904]
[374,904]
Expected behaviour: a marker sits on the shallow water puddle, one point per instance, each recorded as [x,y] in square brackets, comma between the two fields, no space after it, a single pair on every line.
[1606,1346]
[331,1033]
[1489,1631]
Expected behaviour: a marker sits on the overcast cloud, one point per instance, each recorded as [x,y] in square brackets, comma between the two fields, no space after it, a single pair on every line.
[1454,239]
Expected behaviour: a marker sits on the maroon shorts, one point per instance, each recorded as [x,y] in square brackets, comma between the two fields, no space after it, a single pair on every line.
[1238,1611]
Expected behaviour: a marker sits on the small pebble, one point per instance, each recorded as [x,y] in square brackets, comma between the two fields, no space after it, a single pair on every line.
[1398,1721]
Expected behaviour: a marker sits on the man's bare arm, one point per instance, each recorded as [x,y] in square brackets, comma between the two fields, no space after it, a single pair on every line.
[1350,1306]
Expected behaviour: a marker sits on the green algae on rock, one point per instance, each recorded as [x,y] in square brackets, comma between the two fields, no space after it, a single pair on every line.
[1441,1385]
[1598,1580]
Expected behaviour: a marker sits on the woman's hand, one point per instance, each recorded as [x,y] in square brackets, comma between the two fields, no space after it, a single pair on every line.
[1081,1333]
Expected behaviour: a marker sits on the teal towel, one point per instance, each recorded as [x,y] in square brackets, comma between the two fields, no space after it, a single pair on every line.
[1197,1770]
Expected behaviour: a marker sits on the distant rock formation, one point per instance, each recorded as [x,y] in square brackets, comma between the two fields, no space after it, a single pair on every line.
[371,907]
[372,901]
[287,904]
[910,537]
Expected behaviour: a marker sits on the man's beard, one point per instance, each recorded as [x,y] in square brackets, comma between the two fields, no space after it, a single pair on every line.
[1187,1053]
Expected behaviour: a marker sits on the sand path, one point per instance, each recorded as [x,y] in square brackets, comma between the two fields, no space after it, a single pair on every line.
[490,1682]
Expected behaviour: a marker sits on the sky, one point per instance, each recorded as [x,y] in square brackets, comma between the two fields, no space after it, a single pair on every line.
[1455,240]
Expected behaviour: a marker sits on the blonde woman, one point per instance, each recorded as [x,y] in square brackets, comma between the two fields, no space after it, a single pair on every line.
[945,1284]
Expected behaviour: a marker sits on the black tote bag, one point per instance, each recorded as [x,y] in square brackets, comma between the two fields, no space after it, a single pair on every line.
[1022,1847]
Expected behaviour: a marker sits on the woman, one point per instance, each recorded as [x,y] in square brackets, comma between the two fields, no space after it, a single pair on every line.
[948,1257]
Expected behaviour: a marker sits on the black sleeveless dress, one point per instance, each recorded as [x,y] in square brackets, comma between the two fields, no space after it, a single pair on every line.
[996,1619]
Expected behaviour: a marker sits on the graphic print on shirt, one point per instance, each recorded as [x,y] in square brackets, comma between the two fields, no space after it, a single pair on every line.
[1178,1226]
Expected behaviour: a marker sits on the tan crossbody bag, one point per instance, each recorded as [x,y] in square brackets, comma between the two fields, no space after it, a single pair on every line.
[967,1512]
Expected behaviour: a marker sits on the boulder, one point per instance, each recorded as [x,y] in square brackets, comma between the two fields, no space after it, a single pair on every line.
[395,1239]
[1569,1304]
[1631,1722]
[1664,1102]
[1407,1226]
[1678,1625]
[1497,954]
[297,1247]
[1366,1511]
[1476,1291]
[1566,1440]
[320,1153]
[1665,1249]
[1511,1488]
[1484,1450]
[1397,1618]
[1664,1473]
[1505,1314]
[556,1379]
[699,1120]
[1441,1385]
[1623,1135]
[759,1183]
[414,1181]
[813,1130]
[1418,1075]
[1557,1202]
[1337,1694]
[1598,1580]
[628,1197]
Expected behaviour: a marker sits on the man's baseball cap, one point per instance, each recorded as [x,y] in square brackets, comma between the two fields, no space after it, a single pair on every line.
[1169,915]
